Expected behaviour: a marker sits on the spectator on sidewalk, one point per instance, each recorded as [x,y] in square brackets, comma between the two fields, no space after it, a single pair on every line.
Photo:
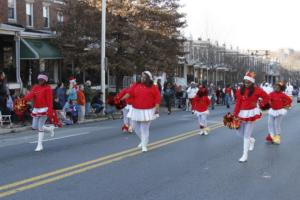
[88,96]
[168,96]
[191,93]
[61,93]
[81,101]
[97,103]
[3,94]
[159,85]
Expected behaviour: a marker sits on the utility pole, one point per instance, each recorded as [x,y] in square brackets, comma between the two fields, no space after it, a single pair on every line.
[103,40]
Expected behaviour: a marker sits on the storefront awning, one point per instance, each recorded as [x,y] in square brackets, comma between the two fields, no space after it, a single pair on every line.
[36,49]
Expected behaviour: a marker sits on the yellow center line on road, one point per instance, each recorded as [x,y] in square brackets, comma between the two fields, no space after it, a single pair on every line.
[66,172]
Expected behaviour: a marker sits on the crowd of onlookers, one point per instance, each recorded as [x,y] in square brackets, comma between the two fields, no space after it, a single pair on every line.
[72,102]
[180,97]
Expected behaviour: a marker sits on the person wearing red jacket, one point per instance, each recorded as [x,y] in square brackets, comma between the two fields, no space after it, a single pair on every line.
[200,105]
[248,97]
[127,122]
[279,102]
[145,107]
[41,95]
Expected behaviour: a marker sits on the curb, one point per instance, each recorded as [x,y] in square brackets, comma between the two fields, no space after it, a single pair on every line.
[26,128]
[87,121]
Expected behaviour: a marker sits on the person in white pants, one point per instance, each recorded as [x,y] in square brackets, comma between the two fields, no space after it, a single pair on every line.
[41,94]
[279,103]
[247,98]
[145,107]
[200,105]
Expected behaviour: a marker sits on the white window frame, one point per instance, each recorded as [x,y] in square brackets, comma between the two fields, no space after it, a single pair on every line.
[31,7]
[15,11]
[48,16]
[60,17]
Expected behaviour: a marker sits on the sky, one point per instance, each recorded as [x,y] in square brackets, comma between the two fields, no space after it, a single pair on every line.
[246,24]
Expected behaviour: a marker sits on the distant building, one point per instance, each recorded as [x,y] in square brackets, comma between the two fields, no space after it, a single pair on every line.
[25,32]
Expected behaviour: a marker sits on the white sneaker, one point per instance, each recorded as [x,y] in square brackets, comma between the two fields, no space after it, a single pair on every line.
[144,149]
[200,133]
[251,146]
[205,132]
[139,146]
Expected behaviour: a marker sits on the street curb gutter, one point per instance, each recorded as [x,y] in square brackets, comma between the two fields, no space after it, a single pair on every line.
[26,128]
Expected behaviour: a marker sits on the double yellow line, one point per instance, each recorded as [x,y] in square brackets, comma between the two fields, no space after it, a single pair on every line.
[26,184]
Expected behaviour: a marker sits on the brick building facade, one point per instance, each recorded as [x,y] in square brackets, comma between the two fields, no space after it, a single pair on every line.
[25,32]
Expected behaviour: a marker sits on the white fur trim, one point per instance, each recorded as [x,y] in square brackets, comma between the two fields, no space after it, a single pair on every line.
[142,115]
[42,76]
[149,74]
[249,79]
[249,113]
[201,113]
[276,113]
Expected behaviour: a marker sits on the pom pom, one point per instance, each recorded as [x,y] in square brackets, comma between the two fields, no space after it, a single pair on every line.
[231,122]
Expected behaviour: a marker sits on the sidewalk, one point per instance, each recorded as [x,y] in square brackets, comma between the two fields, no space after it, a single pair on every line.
[19,128]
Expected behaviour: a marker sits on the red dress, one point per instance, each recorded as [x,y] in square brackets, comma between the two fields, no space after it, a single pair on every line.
[247,108]
[200,105]
[43,103]
[144,100]
[279,101]
[42,100]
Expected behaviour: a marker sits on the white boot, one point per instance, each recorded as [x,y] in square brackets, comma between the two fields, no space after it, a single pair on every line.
[139,146]
[49,129]
[39,146]
[245,150]
[251,146]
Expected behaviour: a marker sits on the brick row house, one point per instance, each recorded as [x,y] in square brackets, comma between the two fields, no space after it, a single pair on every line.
[25,33]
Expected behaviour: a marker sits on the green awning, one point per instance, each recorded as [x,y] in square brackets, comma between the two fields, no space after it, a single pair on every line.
[36,49]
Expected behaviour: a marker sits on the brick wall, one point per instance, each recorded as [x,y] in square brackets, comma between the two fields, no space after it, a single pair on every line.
[38,21]
[3,13]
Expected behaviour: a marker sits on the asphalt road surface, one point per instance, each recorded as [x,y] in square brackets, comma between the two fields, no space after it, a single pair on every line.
[98,162]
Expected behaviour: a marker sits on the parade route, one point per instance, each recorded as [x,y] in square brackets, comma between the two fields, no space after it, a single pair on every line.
[180,164]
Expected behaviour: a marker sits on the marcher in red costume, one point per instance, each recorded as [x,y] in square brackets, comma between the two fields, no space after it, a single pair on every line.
[279,102]
[127,122]
[41,95]
[200,105]
[249,97]
[145,107]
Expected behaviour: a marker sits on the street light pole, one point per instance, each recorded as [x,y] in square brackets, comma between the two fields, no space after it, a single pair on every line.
[103,40]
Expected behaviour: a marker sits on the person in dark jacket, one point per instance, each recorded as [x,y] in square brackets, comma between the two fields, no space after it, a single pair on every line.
[88,96]
[97,103]
[169,93]
[3,94]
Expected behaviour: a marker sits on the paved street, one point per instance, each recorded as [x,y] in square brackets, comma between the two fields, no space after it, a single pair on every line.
[96,161]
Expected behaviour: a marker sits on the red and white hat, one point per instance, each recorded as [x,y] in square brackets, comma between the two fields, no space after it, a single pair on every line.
[72,79]
[250,76]
[43,77]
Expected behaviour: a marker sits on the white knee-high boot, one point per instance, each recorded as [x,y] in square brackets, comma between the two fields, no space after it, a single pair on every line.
[245,150]
[39,146]
[252,143]
[49,129]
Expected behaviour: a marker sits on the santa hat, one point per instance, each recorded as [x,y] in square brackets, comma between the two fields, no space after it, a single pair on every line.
[149,74]
[72,80]
[250,76]
[43,77]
